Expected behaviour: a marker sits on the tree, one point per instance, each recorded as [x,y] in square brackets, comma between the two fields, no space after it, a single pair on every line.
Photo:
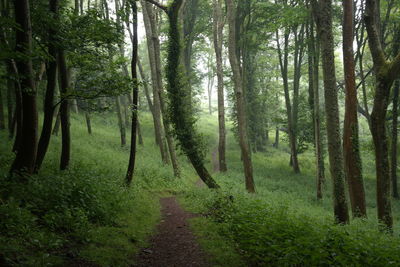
[351,149]
[155,58]
[218,26]
[385,73]
[158,128]
[314,102]
[64,111]
[238,84]
[135,92]
[180,111]
[322,11]
[27,145]
[51,72]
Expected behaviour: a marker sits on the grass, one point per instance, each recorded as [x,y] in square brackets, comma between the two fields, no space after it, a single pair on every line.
[284,224]
[87,215]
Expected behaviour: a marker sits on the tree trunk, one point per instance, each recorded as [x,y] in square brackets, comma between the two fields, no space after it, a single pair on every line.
[180,109]
[57,124]
[155,44]
[10,90]
[121,123]
[26,151]
[147,16]
[393,168]
[313,58]
[351,149]
[218,26]
[139,133]
[276,143]
[385,73]
[241,116]
[322,11]
[88,122]
[64,112]
[283,62]
[51,72]
[135,93]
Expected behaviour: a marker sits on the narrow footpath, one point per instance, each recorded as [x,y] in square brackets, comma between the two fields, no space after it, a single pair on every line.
[174,245]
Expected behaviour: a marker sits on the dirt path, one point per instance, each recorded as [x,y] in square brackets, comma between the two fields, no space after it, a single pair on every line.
[174,245]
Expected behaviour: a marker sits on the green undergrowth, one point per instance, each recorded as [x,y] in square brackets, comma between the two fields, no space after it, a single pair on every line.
[84,215]
[283,224]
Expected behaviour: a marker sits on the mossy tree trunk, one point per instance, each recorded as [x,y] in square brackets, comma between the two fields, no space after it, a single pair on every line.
[179,108]
[322,11]
[240,102]
[351,149]
[393,151]
[155,58]
[385,73]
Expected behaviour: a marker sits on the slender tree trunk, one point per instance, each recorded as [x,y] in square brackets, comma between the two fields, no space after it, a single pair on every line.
[57,124]
[322,11]
[51,72]
[26,150]
[121,123]
[313,62]
[2,118]
[218,26]
[88,122]
[276,143]
[139,132]
[283,62]
[10,90]
[135,94]
[393,168]
[351,149]
[241,116]
[64,112]
[147,13]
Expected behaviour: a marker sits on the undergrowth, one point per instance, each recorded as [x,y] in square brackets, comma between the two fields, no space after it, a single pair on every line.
[83,215]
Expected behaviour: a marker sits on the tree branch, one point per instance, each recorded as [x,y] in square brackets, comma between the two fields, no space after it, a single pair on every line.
[375,45]
[165,8]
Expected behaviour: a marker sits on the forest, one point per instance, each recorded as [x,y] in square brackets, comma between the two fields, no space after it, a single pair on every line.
[199,133]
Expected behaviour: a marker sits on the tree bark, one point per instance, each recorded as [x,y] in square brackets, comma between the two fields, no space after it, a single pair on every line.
[385,73]
[351,149]
[88,122]
[313,67]
[135,94]
[283,62]
[238,83]
[160,87]
[150,36]
[181,116]
[64,111]
[393,168]
[218,26]
[322,11]
[51,73]
[121,123]
[26,151]
[2,118]
[10,90]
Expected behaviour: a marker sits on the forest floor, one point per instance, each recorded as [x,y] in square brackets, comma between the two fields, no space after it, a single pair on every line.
[174,244]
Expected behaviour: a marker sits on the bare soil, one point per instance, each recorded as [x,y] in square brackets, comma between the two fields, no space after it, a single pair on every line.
[174,244]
